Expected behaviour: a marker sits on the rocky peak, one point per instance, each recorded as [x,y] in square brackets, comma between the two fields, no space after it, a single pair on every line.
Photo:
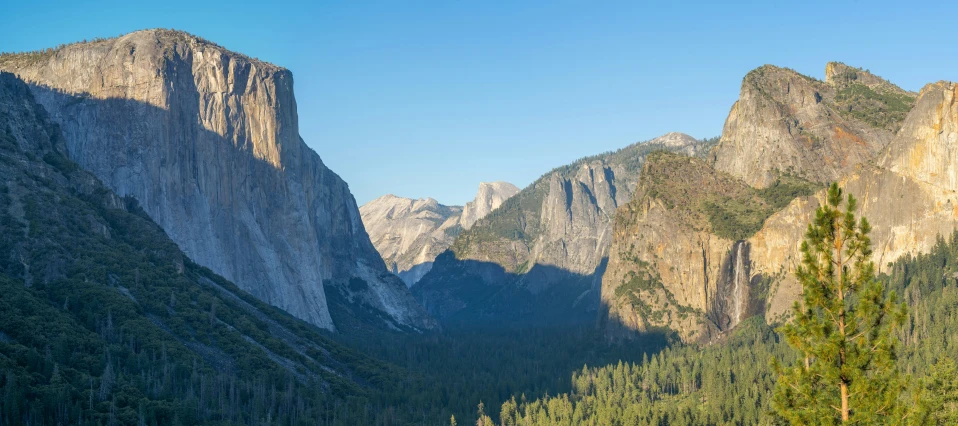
[489,197]
[409,233]
[679,255]
[785,122]
[207,141]
[841,76]
[540,258]
[675,140]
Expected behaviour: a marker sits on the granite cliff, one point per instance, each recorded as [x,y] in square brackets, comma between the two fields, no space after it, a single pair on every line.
[700,248]
[908,195]
[679,256]
[409,234]
[207,141]
[785,122]
[540,256]
[491,195]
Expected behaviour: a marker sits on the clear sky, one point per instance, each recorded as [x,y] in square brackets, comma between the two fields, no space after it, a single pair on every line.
[427,99]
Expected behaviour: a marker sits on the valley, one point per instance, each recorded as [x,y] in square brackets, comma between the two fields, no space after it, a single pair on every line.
[173,252]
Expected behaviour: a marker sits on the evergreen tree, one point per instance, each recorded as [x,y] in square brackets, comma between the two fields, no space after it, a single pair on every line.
[483,420]
[940,394]
[843,330]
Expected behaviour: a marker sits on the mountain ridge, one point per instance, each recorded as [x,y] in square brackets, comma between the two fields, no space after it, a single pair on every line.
[539,257]
[410,233]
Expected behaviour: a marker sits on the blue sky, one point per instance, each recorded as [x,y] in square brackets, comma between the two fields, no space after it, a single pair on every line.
[427,99]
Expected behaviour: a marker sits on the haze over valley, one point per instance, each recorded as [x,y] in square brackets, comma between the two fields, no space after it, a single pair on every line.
[175,250]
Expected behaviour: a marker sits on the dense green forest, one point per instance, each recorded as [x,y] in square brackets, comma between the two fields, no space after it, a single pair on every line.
[104,321]
[730,383]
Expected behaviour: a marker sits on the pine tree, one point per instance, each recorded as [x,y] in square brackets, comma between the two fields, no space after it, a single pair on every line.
[483,420]
[940,398]
[843,330]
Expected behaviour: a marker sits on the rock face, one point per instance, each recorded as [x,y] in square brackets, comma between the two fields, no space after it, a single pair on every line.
[539,258]
[96,255]
[207,141]
[678,261]
[490,196]
[673,261]
[785,122]
[908,197]
[409,234]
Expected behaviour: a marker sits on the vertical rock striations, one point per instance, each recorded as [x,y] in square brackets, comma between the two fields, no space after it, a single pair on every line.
[490,196]
[700,249]
[785,122]
[909,197]
[540,257]
[679,258]
[207,141]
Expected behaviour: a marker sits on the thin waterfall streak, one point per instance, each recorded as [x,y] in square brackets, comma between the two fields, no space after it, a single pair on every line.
[737,291]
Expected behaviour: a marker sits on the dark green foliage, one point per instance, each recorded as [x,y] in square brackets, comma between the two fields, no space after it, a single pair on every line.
[786,188]
[462,367]
[736,219]
[843,329]
[880,108]
[61,163]
[939,394]
[104,321]
[740,218]
[731,382]
[724,384]
[518,217]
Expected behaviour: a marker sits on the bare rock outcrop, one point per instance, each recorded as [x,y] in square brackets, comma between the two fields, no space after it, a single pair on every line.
[909,197]
[490,196]
[207,141]
[676,259]
[691,251]
[785,122]
[541,255]
[409,234]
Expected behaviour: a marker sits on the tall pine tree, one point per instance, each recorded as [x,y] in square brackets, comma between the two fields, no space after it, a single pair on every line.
[843,330]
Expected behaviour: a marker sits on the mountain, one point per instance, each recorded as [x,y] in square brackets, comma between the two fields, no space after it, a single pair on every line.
[103,320]
[785,122]
[491,195]
[207,141]
[678,259]
[539,258]
[700,248]
[409,234]
[908,196]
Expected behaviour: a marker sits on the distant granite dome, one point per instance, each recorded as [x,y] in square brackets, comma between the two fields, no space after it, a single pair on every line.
[409,234]
[490,197]
[675,140]
[207,141]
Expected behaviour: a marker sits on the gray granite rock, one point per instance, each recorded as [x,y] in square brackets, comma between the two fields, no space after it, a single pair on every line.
[207,141]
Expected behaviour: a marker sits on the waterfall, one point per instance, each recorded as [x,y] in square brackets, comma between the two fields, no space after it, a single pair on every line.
[738,288]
